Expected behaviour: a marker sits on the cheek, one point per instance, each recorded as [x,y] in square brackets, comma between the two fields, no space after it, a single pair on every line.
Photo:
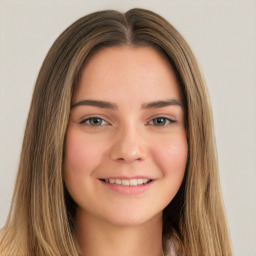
[81,154]
[171,155]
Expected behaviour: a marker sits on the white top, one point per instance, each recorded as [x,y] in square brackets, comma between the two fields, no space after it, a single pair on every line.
[171,249]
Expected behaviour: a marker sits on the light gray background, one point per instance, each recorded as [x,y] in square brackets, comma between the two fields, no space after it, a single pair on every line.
[222,35]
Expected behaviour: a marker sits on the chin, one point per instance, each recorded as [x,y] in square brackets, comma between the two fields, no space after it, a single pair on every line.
[132,218]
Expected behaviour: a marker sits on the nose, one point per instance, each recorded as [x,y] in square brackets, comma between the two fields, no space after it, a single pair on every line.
[128,146]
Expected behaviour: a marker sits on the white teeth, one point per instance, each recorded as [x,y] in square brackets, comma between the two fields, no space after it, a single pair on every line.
[133,182]
[124,182]
[145,180]
[140,181]
[119,182]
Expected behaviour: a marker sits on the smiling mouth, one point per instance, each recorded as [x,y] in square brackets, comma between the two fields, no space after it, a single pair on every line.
[127,182]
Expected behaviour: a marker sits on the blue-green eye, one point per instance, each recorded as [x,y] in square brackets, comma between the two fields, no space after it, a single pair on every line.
[94,121]
[161,121]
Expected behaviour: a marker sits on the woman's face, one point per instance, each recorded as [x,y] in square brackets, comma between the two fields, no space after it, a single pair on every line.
[126,146]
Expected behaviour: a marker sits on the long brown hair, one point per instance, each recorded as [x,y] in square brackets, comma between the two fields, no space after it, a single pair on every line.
[41,215]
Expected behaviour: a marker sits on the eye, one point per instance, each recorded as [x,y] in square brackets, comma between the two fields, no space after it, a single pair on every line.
[94,121]
[161,121]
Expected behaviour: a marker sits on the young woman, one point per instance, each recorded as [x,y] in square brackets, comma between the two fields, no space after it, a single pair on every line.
[119,154]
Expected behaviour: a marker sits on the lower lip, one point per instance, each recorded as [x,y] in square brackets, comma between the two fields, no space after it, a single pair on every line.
[128,190]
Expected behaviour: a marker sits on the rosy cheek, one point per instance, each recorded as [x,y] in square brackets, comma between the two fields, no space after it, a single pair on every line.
[177,152]
[82,154]
[171,155]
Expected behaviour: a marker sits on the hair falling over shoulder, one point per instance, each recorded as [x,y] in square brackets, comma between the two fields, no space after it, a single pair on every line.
[40,220]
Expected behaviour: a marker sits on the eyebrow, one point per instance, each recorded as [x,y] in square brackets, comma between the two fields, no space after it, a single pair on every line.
[96,103]
[113,106]
[162,103]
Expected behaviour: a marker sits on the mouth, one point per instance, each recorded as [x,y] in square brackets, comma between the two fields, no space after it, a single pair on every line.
[132,186]
[127,182]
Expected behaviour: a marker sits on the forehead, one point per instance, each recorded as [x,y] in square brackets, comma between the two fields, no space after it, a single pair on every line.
[127,70]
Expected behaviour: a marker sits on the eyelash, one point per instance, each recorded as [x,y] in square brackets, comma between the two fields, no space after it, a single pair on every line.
[91,118]
[167,121]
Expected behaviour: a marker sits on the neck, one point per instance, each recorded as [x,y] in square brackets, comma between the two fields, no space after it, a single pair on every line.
[98,237]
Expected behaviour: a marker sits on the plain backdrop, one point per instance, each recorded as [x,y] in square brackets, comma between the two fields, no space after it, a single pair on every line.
[222,35]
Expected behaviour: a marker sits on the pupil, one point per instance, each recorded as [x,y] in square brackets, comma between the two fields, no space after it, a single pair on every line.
[95,121]
[159,121]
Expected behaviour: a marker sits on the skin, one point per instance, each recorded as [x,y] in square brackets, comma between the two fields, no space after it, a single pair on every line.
[125,142]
